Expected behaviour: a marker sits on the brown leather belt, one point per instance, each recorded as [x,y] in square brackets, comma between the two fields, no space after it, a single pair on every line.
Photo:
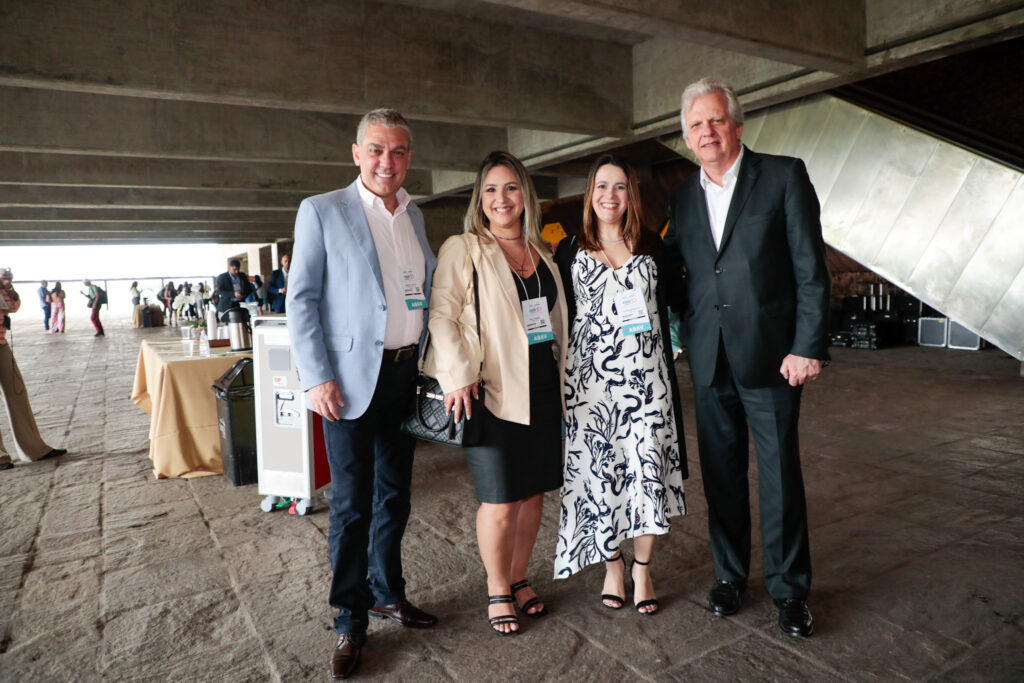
[404,353]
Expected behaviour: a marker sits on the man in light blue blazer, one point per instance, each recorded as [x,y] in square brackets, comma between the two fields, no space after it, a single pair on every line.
[357,311]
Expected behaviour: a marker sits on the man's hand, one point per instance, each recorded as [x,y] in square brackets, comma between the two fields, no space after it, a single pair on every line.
[282,290]
[798,369]
[326,399]
[238,295]
[458,401]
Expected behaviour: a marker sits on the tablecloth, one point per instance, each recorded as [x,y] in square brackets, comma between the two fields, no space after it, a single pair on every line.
[184,439]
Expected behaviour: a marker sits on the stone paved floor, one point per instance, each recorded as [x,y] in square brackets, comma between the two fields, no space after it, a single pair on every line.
[913,458]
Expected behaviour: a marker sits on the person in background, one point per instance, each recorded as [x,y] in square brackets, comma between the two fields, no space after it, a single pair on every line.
[233,286]
[520,355]
[44,303]
[203,298]
[95,296]
[625,458]
[133,291]
[28,444]
[57,297]
[259,293]
[167,297]
[277,286]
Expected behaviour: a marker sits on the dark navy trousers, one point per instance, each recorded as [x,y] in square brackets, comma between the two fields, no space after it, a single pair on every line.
[371,472]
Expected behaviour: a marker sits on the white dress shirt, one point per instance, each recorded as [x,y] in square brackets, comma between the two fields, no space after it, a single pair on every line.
[397,248]
[719,197]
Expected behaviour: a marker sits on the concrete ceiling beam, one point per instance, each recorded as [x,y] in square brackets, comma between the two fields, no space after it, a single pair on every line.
[828,36]
[87,170]
[340,56]
[30,239]
[36,214]
[34,196]
[282,229]
[33,120]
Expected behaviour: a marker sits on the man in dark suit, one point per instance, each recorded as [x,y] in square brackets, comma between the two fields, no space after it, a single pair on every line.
[277,285]
[746,230]
[232,286]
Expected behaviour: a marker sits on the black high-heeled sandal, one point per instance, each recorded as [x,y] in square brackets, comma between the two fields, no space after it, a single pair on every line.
[504,618]
[644,603]
[620,599]
[525,607]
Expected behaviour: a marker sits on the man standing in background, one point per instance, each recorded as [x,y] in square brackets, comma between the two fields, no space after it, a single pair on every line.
[277,285]
[44,303]
[232,286]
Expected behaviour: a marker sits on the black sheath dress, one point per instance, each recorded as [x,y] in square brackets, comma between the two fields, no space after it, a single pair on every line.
[516,461]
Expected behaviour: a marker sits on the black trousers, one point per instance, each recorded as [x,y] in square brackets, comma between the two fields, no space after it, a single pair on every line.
[724,411]
[371,472]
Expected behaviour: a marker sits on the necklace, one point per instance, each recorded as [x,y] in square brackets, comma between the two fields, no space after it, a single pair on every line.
[618,241]
[521,268]
[509,239]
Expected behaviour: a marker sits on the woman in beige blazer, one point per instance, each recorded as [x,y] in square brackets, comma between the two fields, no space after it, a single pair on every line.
[520,355]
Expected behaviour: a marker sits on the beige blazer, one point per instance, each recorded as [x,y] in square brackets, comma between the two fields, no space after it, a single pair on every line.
[455,352]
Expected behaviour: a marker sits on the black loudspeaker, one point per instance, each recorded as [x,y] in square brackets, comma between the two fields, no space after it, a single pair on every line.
[959,337]
[932,331]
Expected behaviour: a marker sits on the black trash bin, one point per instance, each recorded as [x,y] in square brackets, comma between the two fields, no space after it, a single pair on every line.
[236,417]
[147,317]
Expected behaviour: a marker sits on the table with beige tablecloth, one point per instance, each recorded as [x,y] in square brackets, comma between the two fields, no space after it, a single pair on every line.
[156,311]
[184,439]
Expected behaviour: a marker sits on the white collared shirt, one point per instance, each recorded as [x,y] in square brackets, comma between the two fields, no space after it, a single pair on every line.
[719,197]
[397,248]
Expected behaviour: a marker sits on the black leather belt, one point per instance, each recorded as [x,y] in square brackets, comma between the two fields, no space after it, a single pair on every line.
[404,353]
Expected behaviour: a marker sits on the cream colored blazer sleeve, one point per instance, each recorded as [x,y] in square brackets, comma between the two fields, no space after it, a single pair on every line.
[454,356]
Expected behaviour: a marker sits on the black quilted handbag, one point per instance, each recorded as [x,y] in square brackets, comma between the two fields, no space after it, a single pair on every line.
[427,419]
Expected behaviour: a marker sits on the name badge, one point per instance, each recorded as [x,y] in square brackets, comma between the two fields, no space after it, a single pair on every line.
[412,290]
[538,320]
[632,312]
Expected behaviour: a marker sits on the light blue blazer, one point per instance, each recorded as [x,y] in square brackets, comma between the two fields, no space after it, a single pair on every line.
[335,300]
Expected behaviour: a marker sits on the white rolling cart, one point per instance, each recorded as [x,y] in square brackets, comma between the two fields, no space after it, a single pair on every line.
[291,459]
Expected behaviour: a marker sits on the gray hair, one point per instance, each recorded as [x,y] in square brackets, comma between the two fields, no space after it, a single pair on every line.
[706,86]
[389,118]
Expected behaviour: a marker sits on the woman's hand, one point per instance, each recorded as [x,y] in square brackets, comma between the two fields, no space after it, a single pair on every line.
[459,401]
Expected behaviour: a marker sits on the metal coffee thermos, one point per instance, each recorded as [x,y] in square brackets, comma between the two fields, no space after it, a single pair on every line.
[239,329]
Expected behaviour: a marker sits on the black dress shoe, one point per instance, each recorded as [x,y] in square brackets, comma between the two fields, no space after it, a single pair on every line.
[795,618]
[6,466]
[345,657]
[405,613]
[724,598]
[54,453]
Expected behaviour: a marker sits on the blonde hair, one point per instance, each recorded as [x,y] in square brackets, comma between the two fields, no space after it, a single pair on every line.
[476,222]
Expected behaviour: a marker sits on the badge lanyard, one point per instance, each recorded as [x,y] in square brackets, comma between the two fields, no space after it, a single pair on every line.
[535,311]
[630,306]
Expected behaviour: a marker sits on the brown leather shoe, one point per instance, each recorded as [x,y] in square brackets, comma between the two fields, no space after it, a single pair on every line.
[346,654]
[405,613]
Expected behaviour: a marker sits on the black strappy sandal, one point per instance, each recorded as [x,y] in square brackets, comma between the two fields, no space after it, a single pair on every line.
[524,608]
[644,603]
[620,599]
[504,618]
